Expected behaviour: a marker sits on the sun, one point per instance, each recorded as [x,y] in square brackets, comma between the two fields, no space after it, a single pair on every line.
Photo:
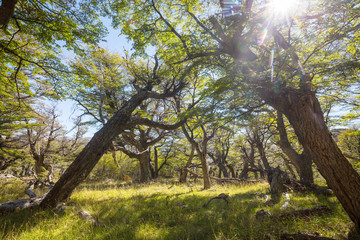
[282,9]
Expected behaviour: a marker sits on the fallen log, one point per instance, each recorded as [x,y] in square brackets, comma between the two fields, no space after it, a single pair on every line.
[306,212]
[303,236]
[231,180]
[12,206]
[30,193]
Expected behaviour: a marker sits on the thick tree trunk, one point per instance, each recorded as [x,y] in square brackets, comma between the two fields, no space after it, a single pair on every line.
[302,161]
[7,9]
[223,169]
[91,154]
[145,172]
[303,111]
[306,172]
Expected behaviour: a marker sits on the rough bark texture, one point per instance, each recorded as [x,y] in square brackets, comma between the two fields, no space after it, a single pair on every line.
[9,207]
[303,111]
[91,154]
[145,172]
[7,9]
[302,161]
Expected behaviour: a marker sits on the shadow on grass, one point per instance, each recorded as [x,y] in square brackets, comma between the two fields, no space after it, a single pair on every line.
[157,213]
[23,220]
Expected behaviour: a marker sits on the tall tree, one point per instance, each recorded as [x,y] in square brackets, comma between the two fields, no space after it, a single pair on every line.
[158,85]
[244,40]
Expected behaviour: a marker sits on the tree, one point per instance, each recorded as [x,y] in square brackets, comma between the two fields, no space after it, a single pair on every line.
[287,85]
[146,88]
[32,36]
[41,133]
[219,152]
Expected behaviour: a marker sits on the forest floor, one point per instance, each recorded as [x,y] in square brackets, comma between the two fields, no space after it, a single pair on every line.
[161,210]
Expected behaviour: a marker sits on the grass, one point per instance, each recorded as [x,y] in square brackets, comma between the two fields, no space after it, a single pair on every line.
[152,211]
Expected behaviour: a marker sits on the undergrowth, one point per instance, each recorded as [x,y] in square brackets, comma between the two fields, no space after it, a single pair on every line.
[170,211]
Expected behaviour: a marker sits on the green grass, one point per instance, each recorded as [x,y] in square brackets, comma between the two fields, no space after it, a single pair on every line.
[151,212]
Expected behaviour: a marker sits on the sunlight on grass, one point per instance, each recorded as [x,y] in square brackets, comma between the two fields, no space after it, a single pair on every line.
[165,211]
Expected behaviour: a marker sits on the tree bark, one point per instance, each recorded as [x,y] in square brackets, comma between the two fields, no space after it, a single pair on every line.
[302,161]
[7,9]
[204,166]
[303,111]
[223,169]
[145,172]
[91,154]
[231,170]
[202,152]
[184,170]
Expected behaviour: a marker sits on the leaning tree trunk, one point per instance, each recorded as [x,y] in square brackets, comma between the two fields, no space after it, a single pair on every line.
[91,154]
[303,111]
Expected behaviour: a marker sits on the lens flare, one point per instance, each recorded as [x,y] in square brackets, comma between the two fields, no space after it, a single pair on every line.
[283,9]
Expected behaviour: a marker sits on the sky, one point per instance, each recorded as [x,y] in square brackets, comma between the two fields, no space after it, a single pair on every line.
[67,110]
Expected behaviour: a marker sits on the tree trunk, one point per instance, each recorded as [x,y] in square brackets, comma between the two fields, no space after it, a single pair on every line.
[7,9]
[91,154]
[50,174]
[156,163]
[302,161]
[204,166]
[145,172]
[183,171]
[113,154]
[245,170]
[306,172]
[303,111]
[222,169]
[263,157]
[231,170]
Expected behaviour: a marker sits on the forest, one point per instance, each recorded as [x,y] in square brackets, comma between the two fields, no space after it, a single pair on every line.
[226,119]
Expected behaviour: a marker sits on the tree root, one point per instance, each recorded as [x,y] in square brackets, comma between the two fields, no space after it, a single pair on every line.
[222,180]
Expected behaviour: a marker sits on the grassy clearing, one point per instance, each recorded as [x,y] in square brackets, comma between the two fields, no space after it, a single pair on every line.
[152,211]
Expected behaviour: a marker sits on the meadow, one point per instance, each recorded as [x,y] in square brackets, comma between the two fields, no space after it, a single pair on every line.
[165,210]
